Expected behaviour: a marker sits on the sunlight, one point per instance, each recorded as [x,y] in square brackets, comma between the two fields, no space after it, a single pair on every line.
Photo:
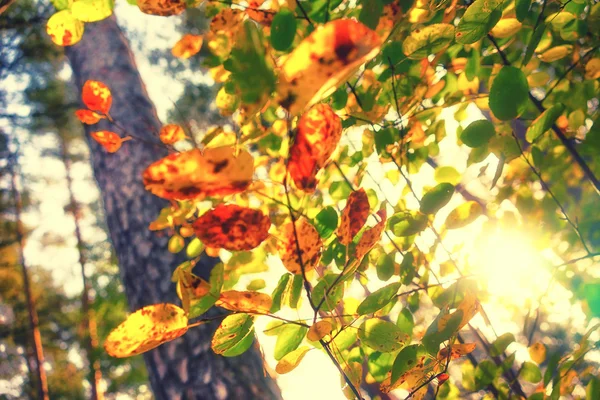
[510,265]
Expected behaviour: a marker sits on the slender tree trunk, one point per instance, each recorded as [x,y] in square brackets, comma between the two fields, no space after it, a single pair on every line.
[90,336]
[185,368]
[36,338]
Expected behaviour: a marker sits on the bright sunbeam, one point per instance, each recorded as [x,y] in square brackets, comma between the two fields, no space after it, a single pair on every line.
[509,264]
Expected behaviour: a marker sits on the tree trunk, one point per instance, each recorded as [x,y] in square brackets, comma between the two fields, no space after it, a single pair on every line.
[185,368]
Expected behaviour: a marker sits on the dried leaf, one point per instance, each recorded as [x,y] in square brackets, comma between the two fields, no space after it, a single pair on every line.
[232,227]
[96,96]
[109,140]
[195,174]
[187,46]
[88,116]
[227,20]
[319,131]
[64,29]
[354,216]
[161,7]
[172,133]
[245,301]
[323,60]
[537,352]
[456,350]
[319,330]
[291,360]
[146,329]
[371,236]
[309,242]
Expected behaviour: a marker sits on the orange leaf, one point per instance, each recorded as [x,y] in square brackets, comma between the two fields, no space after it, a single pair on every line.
[319,131]
[161,7]
[456,350]
[245,301]
[172,133]
[371,236]
[96,96]
[469,306]
[195,174]
[319,330]
[323,60]
[232,227]
[146,329]
[227,20]
[88,116]
[187,46]
[354,216]
[109,140]
[309,242]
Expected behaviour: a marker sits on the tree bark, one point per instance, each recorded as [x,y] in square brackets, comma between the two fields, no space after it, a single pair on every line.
[185,368]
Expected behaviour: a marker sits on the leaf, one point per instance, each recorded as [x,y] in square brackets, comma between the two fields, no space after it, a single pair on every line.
[478,133]
[354,216]
[326,222]
[371,236]
[278,292]
[534,42]
[370,13]
[407,223]
[463,215]
[319,330]
[506,28]
[485,373]
[447,174]
[456,351]
[187,46]
[296,291]
[309,245]
[509,94]
[531,372]
[428,40]
[501,343]
[203,304]
[323,60]
[291,360]
[289,339]
[556,53]
[436,198]
[194,174]
[522,9]
[171,134]
[544,122]
[385,267]
[109,140]
[161,7]
[252,302]
[234,336]
[478,20]
[64,29]
[334,295]
[592,296]
[232,227]
[283,30]
[378,299]
[537,352]
[96,96]
[319,131]
[592,69]
[406,360]
[92,10]
[88,117]
[146,329]
[381,335]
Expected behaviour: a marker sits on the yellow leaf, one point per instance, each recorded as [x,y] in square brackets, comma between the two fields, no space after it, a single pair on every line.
[456,350]
[324,60]
[91,10]
[537,352]
[319,330]
[245,301]
[171,134]
[592,69]
[195,174]
[64,29]
[291,360]
[469,307]
[556,53]
[309,242]
[506,27]
[146,329]
[187,46]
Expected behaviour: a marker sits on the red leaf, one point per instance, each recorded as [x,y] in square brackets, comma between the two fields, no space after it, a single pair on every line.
[88,116]
[354,216]
[109,140]
[172,133]
[96,96]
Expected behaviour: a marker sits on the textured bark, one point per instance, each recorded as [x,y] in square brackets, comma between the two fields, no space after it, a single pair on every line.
[185,368]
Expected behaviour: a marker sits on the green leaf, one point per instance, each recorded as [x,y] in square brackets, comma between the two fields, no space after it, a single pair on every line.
[522,9]
[478,20]
[371,12]
[326,222]
[485,373]
[509,93]
[280,289]
[296,291]
[61,4]
[407,223]
[405,321]
[501,343]
[379,364]
[381,335]
[289,339]
[378,299]
[385,267]
[194,248]
[434,336]
[283,30]
[463,215]
[447,174]
[406,360]
[533,42]
[428,40]
[436,198]
[544,122]
[478,133]
[592,391]
[234,336]
[333,297]
[592,297]
[339,98]
[205,303]
[531,372]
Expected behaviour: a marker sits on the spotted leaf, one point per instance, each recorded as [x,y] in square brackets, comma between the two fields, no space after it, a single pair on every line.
[88,116]
[96,96]
[354,216]
[109,140]
[172,133]
[64,29]
[161,7]
[245,301]
[309,242]
[187,46]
